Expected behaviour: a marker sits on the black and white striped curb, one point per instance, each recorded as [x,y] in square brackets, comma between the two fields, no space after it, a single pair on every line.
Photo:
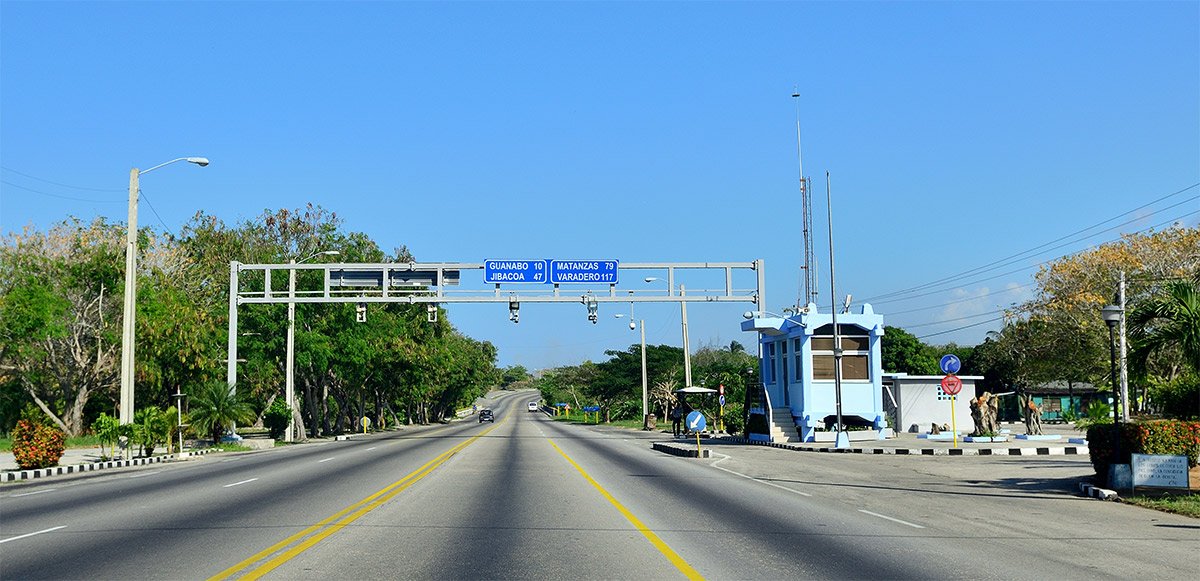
[676,449]
[1097,492]
[1042,451]
[75,468]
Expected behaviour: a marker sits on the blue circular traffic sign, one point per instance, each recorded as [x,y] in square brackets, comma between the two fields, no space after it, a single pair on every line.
[696,422]
[950,364]
[721,399]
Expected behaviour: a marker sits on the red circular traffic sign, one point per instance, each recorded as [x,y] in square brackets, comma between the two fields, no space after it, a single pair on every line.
[951,385]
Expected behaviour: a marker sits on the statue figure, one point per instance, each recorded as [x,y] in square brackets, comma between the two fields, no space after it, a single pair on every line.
[983,411]
[1033,416]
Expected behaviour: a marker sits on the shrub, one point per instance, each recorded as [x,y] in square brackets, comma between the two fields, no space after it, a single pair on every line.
[107,430]
[277,418]
[36,445]
[1172,437]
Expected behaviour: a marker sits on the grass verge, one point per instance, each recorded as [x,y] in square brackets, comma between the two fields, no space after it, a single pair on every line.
[1185,504]
[76,442]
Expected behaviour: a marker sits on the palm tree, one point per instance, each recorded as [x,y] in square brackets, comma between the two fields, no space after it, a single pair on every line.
[1169,322]
[1168,325]
[216,408]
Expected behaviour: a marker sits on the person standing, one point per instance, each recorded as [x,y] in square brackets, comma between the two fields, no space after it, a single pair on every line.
[676,419]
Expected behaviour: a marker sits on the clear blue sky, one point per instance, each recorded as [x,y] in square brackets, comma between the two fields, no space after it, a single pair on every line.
[957,134]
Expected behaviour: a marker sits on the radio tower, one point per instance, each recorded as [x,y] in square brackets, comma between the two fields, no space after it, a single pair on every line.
[809,268]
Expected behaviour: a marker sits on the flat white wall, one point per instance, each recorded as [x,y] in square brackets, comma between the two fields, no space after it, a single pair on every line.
[920,401]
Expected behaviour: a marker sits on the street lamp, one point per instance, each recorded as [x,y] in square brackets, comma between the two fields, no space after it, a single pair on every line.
[1112,318]
[645,386]
[290,372]
[127,329]
[687,354]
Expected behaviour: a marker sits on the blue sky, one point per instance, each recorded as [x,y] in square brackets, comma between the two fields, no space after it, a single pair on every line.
[956,135]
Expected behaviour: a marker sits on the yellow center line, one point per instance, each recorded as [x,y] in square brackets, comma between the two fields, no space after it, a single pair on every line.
[658,543]
[306,538]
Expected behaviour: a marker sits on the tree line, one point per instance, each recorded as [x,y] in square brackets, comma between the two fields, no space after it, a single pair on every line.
[61,316]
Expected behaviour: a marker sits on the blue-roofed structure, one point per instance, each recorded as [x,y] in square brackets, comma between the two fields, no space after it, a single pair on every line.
[797,399]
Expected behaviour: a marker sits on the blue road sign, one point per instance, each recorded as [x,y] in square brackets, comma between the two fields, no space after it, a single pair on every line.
[591,408]
[696,422]
[950,364]
[498,271]
[583,271]
[721,399]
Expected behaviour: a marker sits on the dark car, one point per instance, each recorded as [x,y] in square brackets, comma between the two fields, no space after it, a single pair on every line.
[486,416]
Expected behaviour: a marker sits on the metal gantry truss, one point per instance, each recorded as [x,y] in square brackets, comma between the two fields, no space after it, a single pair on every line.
[435,283]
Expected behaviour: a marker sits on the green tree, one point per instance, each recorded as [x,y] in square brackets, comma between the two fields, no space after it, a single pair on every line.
[903,352]
[1167,327]
[215,409]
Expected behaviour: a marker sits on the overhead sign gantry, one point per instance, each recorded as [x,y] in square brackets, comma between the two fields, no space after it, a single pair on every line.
[513,282]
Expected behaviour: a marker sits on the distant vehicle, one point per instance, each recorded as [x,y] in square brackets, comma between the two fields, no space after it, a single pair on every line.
[533,406]
[486,415]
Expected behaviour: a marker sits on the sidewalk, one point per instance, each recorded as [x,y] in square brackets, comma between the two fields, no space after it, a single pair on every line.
[942,445]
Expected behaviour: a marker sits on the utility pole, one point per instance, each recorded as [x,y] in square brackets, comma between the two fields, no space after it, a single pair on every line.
[1124,369]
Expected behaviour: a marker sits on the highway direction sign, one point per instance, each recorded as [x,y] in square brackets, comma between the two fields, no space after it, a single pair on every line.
[950,364]
[696,422]
[583,271]
[499,271]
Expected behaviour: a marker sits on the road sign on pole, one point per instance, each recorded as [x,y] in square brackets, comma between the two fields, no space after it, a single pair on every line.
[950,364]
[951,385]
[500,271]
[583,271]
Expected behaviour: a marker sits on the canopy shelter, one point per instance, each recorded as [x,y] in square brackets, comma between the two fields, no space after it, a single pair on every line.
[694,389]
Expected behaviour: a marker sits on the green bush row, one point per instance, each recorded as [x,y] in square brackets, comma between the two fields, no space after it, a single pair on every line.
[1170,437]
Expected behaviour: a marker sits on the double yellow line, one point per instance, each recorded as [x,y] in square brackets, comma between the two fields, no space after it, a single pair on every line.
[287,549]
[687,570]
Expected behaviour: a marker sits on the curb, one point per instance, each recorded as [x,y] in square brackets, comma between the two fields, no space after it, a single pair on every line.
[1097,492]
[15,475]
[1041,451]
[685,451]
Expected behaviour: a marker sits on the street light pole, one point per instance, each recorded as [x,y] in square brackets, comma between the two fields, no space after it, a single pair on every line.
[645,386]
[290,364]
[130,307]
[1112,316]
[843,439]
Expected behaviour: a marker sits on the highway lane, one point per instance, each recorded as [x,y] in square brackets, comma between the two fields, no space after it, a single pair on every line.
[192,519]
[532,498]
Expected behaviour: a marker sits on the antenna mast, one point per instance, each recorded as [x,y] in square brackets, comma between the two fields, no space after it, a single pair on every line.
[809,267]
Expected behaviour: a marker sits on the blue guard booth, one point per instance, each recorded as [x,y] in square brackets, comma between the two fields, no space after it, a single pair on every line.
[797,359]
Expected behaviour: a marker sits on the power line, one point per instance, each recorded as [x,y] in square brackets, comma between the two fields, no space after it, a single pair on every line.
[961,328]
[28,189]
[61,185]
[1023,254]
[155,212]
[960,283]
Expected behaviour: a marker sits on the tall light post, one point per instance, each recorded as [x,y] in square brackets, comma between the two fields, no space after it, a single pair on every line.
[843,439]
[645,386]
[290,372]
[1112,315]
[127,328]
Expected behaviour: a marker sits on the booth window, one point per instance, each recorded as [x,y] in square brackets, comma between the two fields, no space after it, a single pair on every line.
[856,351]
[797,351]
[771,363]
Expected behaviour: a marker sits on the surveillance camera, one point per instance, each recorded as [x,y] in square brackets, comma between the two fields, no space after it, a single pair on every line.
[748,315]
[632,326]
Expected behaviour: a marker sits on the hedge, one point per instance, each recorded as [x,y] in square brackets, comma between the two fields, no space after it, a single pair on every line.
[1171,437]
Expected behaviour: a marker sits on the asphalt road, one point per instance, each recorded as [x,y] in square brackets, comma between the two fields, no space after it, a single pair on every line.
[527,497]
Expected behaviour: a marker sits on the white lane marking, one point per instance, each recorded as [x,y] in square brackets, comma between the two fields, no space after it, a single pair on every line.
[326,460]
[372,448]
[35,492]
[237,483]
[2,541]
[735,473]
[896,520]
[146,474]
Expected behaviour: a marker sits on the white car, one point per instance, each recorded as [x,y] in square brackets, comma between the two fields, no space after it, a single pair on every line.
[533,406]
